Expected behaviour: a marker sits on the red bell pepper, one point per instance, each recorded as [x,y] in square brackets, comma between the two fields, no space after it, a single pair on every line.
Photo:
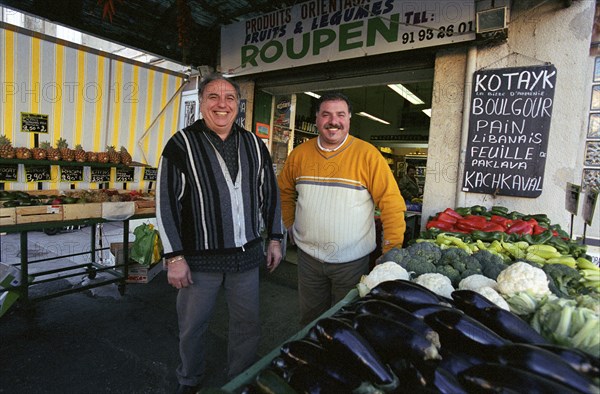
[444,217]
[445,226]
[453,213]
[501,220]
[490,226]
[537,229]
[520,227]
[533,222]
[471,223]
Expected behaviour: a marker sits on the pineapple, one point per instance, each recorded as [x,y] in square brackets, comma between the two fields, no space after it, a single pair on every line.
[52,154]
[66,153]
[80,155]
[113,156]
[22,153]
[6,149]
[102,157]
[38,153]
[125,156]
[91,156]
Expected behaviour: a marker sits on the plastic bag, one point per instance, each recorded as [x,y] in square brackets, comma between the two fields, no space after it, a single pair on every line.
[147,248]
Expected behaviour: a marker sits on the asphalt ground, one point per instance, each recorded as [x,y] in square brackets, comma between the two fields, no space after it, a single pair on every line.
[99,341]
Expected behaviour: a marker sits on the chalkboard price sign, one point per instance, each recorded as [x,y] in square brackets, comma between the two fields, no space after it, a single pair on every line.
[34,123]
[9,173]
[71,174]
[509,123]
[100,175]
[37,173]
[150,173]
[124,174]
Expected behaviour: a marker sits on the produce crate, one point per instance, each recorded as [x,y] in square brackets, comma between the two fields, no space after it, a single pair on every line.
[39,213]
[248,376]
[145,207]
[8,216]
[136,273]
[82,211]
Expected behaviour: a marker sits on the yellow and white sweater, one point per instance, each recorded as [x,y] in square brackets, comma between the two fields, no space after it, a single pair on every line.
[330,199]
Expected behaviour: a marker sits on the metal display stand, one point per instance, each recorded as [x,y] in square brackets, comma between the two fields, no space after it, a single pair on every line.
[118,273]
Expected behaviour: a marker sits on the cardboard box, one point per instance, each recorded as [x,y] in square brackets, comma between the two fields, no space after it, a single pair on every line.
[137,273]
[10,276]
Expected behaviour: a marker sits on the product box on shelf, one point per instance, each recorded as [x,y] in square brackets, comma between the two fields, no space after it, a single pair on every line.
[145,207]
[8,216]
[137,273]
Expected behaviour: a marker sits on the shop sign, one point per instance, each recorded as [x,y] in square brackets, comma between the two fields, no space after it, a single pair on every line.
[124,174]
[71,174]
[320,31]
[9,172]
[37,173]
[100,175]
[509,125]
[150,173]
[34,123]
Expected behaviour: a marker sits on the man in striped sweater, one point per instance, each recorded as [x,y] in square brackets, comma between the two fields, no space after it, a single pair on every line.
[216,189]
[330,186]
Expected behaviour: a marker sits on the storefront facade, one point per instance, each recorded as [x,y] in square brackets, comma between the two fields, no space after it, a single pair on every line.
[539,36]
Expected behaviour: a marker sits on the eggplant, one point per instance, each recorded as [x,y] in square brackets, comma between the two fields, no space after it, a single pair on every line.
[445,382]
[394,312]
[426,309]
[405,293]
[502,322]
[462,333]
[392,338]
[456,362]
[348,346]
[308,379]
[545,363]
[577,359]
[498,378]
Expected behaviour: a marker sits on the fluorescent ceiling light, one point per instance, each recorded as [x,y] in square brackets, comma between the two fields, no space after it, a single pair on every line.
[427,112]
[407,94]
[366,115]
[312,94]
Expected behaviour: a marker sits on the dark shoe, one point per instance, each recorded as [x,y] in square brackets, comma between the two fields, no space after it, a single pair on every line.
[183,389]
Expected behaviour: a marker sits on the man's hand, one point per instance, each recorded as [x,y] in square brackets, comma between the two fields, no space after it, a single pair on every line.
[273,255]
[179,274]
[290,233]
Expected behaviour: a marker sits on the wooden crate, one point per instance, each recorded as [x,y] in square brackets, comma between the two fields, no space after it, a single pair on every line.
[145,207]
[82,211]
[8,216]
[39,213]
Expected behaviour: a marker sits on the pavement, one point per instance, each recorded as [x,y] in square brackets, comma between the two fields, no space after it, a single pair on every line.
[101,341]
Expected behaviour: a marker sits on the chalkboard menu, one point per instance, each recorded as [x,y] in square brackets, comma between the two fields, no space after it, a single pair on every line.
[100,175]
[35,123]
[9,172]
[37,173]
[71,174]
[509,123]
[124,174]
[150,173]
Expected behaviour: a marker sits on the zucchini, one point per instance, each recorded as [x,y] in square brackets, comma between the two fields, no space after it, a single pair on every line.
[577,359]
[497,378]
[392,339]
[348,346]
[268,382]
[545,363]
[404,293]
[461,333]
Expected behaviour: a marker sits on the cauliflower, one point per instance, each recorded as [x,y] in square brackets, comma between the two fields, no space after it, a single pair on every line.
[519,277]
[389,270]
[474,282]
[493,296]
[438,283]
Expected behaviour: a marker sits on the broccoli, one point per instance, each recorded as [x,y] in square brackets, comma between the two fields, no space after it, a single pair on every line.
[450,272]
[563,280]
[467,273]
[418,265]
[395,254]
[455,257]
[491,264]
[426,250]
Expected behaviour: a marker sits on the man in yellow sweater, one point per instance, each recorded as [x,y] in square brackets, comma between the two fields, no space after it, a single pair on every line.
[330,186]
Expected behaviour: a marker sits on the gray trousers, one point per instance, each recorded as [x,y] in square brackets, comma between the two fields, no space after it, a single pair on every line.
[322,285]
[194,309]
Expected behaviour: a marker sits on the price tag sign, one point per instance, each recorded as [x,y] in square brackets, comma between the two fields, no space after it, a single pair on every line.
[589,206]
[100,175]
[71,174]
[9,172]
[125,174]
[150,173]
[34,123]
[572,198]
[37,173]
